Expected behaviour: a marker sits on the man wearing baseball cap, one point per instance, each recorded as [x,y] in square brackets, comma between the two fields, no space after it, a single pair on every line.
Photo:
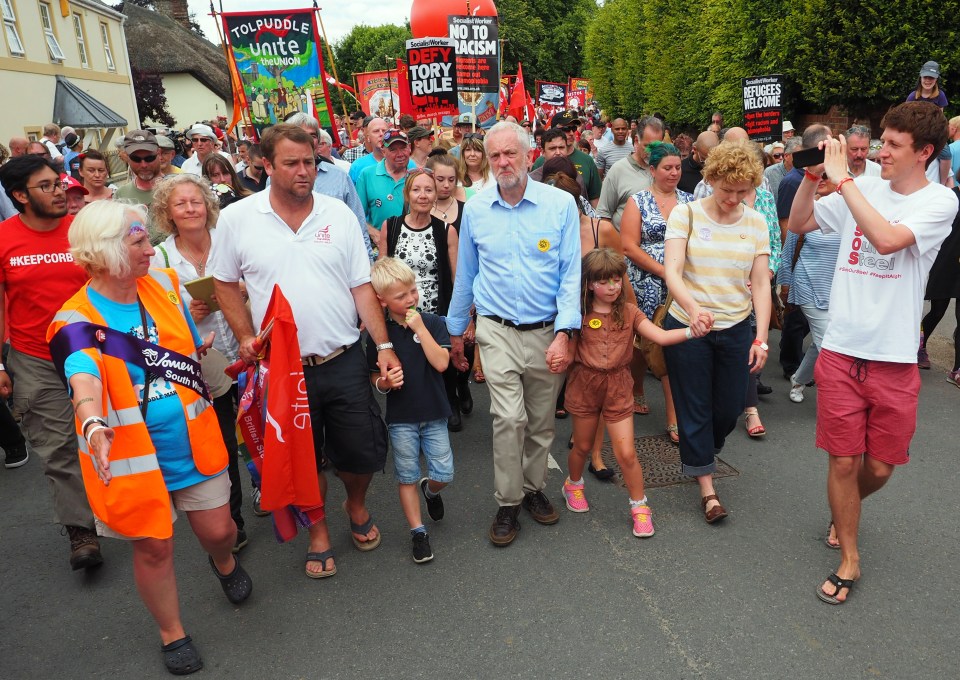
[167,152]
[421,143]
[464,124]
[380,187]
[143,157]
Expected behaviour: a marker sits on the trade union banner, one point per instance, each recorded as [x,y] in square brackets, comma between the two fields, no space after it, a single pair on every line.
[278,59]
[763,107]
[475,40]
[379,94]
[432,77]
[579,92]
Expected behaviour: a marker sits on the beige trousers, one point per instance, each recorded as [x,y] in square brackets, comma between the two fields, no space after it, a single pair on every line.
[523,396]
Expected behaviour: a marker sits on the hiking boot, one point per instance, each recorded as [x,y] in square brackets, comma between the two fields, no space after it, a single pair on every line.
[84,549]
[505,526]
[421,547]
[541,508]
[434,505]
[16,457]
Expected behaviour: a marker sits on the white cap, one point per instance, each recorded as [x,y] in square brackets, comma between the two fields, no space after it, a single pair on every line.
[787,126]
[202,130]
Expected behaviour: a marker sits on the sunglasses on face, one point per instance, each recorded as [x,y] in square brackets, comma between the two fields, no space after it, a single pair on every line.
[473,135]
[777,155]
[202,140]
[143,159]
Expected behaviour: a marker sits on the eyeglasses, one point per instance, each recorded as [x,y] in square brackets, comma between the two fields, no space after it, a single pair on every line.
[473,135]
[201,140]
[50,187]
[143,159]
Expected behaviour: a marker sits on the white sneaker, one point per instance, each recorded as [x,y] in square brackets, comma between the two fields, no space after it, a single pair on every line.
[796,393]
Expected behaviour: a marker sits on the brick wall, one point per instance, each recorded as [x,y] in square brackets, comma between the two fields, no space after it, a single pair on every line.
[839,120]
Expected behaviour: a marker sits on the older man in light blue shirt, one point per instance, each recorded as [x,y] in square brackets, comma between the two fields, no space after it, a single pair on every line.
[332,181]
[519,263]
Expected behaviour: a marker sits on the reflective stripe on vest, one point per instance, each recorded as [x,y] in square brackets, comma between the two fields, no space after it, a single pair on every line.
[69,316]
[124,416]
[124,466]
[195,409]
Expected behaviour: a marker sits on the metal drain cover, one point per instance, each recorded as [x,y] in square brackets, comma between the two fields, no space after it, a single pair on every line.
[660,459]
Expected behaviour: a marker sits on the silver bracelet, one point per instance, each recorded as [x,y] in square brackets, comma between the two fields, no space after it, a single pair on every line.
[376,384]
[689,333]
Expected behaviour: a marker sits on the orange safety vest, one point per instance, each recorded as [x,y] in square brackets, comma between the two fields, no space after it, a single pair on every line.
[137,503]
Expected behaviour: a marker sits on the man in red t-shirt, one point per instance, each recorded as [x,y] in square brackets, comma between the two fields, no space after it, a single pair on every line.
[37,275]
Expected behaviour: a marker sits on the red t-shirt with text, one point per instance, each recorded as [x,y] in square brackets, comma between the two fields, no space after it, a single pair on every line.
[38,275]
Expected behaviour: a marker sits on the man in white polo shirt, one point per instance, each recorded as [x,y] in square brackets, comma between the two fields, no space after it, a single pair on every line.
[311,246]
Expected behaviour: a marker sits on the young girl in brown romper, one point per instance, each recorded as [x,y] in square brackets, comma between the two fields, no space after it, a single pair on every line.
[600,380]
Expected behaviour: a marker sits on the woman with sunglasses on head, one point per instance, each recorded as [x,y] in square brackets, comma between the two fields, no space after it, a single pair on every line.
[149,443]
[428,245]
[642,228]
[94,175]
[474,166]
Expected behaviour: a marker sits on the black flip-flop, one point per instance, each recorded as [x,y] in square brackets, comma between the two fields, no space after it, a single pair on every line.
[839,584]
[322,558]
[181,657]
[363,530]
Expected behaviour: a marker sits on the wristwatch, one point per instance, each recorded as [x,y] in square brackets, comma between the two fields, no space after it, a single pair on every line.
[762,345]
[566,331]
[384,345]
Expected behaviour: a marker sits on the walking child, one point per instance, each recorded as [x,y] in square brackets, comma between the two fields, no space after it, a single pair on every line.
[600,382]
[417,405]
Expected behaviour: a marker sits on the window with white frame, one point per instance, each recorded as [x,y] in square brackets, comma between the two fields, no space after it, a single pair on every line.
[10,28]
[81,43]
[105,35]
[52,45]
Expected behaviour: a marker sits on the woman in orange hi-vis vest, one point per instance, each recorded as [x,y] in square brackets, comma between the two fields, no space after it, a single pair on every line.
[147,432]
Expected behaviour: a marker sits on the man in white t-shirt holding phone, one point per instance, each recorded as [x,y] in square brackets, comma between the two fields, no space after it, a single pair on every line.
[868,384]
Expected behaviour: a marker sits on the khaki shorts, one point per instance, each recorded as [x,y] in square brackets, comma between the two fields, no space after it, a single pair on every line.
[206,495]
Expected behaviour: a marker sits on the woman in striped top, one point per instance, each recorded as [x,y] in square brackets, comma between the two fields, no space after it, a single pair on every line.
[716,264]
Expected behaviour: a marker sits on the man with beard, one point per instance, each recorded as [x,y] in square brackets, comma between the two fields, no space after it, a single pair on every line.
[619,148]
[143,157]
[37,275]
[519,264]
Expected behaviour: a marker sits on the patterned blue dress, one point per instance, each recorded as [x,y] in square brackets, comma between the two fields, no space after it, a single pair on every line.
[650,289]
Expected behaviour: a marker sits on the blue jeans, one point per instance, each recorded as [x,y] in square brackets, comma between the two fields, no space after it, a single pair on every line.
[708,376]
[432,437]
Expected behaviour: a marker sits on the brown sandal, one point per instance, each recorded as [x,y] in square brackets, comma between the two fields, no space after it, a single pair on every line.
[716,513]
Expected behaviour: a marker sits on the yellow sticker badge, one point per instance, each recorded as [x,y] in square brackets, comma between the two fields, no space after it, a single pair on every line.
[595,323]
[543,245]
[172,296]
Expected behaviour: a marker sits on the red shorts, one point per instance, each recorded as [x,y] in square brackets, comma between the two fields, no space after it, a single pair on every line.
[869,408]
[591,393]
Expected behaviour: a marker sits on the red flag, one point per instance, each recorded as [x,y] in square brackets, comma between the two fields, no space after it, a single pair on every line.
[521,106]
[403,88]
[289,475]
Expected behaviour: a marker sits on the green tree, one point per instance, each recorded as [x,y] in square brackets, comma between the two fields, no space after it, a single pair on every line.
[365,48]
[546,37]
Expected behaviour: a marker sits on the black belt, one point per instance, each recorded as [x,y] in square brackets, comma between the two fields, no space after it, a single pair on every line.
[537,325]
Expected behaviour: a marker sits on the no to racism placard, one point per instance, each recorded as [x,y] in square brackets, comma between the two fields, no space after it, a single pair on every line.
[431,64]
[763,107]
[476,42]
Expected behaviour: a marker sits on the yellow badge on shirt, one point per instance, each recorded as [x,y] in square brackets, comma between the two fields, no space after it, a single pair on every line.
[172,296]
[543,245]
[595,323]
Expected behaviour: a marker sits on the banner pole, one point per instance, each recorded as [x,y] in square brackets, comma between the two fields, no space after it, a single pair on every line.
[333,65]
[234,76]
[390,86]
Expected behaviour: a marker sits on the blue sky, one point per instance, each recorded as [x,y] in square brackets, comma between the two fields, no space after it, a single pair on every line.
[338,16]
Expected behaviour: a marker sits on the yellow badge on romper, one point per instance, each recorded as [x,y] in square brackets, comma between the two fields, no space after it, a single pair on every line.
[543,245]
[595,323]
[172,296]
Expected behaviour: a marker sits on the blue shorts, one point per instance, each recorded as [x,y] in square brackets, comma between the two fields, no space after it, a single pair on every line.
[432,437]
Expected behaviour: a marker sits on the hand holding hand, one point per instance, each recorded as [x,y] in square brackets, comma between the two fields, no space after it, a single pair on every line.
[557,356]
[394,379]
[457,357]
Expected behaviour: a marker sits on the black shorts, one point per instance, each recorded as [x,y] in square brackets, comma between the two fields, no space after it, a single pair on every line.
[347,428]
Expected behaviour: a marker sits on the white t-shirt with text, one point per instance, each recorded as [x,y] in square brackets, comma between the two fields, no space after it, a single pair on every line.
[877,300]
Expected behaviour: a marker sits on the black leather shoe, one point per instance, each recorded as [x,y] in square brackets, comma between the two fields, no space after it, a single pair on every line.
[763,389]
[466,399]
[455,422]
[505,526]
[541,508]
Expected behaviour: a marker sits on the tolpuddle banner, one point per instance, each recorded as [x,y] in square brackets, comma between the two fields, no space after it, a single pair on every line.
[278,59]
